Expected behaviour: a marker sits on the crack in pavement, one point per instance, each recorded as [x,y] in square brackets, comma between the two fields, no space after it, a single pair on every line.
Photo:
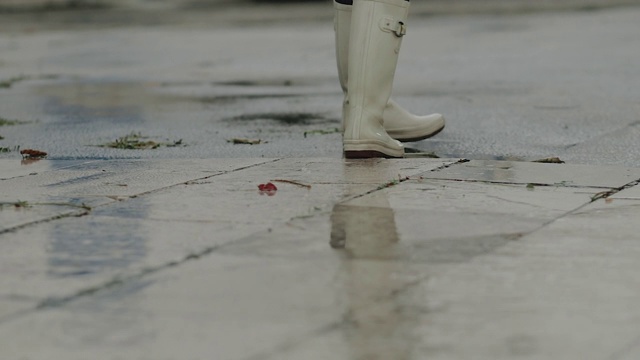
[606,194]
[46,220]
[53,302]
[347,320]
[120,280]
[123,198]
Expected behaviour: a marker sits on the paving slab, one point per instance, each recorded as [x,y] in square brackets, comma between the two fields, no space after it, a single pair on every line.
[566,291]
[61,190]
[134,230]
[236,300]
[557,293]
[122,178]
[56,261]
[630,193]
[393,263]
[426,221]
[533,173]
[11,168]
[402,259]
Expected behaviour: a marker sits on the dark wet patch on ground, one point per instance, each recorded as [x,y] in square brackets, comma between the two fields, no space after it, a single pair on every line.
[464,93]
[556,107]
[323,131]
[487,157]
[255,83]
[501,27]
[411,152]
[53,6]
[228,99]
[460,249]
[284,118]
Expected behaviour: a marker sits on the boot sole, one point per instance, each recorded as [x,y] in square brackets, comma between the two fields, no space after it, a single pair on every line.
[418,138]
[367,154]
[369,150]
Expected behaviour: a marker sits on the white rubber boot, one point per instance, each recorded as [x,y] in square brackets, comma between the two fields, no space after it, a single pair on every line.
[377,28]
[399,124]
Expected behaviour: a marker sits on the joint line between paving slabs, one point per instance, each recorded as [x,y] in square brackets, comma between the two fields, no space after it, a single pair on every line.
[202,178]
[598,196]
[89,209]
[606,194]
[346,320]
[47,220]
[54,302]
[118,280]
[401,180]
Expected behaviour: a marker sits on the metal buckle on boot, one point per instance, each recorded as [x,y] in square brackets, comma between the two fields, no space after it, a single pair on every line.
[398,28]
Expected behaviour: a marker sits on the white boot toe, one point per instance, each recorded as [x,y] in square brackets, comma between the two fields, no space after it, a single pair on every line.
[404,126]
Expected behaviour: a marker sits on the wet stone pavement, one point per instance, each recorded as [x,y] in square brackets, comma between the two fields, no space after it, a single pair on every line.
[388,259]
[144,234]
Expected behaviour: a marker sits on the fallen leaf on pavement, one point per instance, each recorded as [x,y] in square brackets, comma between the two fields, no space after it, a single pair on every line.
[551,160]
[268,189]
[245,141]
[30,153]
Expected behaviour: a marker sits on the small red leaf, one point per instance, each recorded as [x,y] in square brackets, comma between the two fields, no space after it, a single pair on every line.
[268,189]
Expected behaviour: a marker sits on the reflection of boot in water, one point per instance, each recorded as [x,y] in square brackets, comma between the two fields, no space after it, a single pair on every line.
[372,272]
[338,227]
[365,231]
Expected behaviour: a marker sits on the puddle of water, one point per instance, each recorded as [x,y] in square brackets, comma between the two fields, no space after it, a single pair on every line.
[363,230]
[230,99]
[283,118]
[96,99]
[374,233]
[256,83]
[10,168]
[485,157]
[418,153]
[98,244]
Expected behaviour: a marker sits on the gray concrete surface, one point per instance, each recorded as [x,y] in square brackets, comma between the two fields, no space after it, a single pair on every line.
[173,253]
[432,6]
[519,87]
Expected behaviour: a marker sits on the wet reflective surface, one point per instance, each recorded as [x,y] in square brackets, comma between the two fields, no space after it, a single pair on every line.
[171,252]
[349,260]
[192,81]
[532,173]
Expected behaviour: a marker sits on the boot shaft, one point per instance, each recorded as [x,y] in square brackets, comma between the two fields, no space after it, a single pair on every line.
[377,28]
[342,27]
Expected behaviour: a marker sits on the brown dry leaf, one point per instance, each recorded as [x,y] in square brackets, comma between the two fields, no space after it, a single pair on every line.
[33,154]
[551,160]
